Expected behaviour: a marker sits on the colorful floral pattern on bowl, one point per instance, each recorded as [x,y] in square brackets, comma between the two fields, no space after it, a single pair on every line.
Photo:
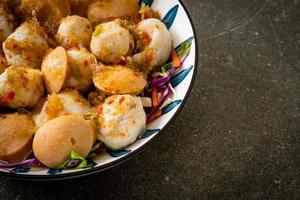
[181,28]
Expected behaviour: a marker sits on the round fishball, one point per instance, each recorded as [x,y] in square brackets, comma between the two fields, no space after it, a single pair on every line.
[80,63]
[122,119]
[21,87]
[110,42]
[27,45]
[79,7]
[74,31]
[3,63]
[157,50]
[100,11]
[68,102]
[48,12]
[7,22]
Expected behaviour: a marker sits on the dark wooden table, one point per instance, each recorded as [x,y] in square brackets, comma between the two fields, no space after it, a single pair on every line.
[238,136]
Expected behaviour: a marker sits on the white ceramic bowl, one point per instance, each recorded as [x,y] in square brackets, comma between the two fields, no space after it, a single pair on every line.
[181,27]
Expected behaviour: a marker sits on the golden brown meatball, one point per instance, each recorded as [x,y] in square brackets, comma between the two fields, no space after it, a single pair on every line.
[80,63]
[48,12]
[3,63]
[110,42]
[79,7]
[7,22]
[74,31]
[11,3]
[122,120]
[106,10]
[64,103]
[27,45]
[20,87]
[158,50]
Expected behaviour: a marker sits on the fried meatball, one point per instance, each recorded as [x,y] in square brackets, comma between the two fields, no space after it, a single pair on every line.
[100,11]
[7,22]
[74,31]
[27,45]
[21,87]
[80,63]
[110,42]
[122,119]
[3,63]
[158,46]
[48,12]
[79,7]
[64,103]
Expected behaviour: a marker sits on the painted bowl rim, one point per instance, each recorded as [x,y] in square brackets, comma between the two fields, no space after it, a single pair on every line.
[87,172]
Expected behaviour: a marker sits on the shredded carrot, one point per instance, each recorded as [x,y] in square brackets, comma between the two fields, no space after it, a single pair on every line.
[154,116]
[176,59]
[157,114]
[154,97]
